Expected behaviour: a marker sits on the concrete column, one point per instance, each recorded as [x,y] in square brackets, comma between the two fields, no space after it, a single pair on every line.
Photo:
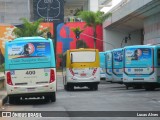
[85,6]
[93,5]
[152,29]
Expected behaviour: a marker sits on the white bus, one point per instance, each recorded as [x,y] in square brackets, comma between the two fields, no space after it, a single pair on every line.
[30,69]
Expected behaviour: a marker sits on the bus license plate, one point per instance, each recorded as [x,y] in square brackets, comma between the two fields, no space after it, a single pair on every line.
[30,89]
[83,74]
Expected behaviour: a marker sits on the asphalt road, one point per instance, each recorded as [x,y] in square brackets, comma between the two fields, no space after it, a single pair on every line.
[109,97]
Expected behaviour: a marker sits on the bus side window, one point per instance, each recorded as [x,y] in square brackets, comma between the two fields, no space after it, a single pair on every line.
[158,56]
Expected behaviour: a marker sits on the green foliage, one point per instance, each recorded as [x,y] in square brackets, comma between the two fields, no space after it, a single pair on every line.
[60,56]
[77,11]
[2,67]
[81,44]
[30,29]
[93,19]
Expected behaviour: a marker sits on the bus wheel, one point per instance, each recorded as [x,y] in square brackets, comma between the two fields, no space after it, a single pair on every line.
[127,87]
[93,87]
[149,88]
[70,87]
[46,99]
[96,87]
[65,87]
[11,99]
[53,97]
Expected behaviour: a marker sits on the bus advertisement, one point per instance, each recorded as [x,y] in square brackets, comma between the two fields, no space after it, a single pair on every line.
[117,68]
[108,64]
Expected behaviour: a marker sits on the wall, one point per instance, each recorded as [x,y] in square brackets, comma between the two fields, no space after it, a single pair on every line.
[5,35]
[152,29]
[85,6]
[115,38]
[12,10]
[66,38]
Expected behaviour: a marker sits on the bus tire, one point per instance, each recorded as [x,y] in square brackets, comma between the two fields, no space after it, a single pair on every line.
[11,99]
[91,87]
[149,88]
[65,87]
[53,97]
[69,87]
[96,87]
[46,98]
[137,86]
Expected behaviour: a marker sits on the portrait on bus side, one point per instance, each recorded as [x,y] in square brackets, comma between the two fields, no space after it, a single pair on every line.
[137,53]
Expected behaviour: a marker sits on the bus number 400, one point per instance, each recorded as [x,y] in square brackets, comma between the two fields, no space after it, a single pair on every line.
[30,72]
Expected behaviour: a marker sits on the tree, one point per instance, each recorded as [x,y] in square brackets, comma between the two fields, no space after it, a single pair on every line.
[93,19]
[29,29]
[81,44]
[77,31]
[1,62]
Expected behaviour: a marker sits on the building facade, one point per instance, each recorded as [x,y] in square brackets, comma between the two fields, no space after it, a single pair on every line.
[133,22]
[12,10]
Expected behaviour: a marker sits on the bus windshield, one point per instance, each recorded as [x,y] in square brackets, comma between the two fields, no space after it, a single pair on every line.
[138,57]
[83,56]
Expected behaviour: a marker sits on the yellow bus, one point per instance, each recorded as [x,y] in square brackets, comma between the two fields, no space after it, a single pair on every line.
[81,67]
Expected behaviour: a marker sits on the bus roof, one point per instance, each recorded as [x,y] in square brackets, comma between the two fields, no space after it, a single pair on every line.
[117,49]
[108,51]
[29,38]
[139,46]
[82,49]
[101,52]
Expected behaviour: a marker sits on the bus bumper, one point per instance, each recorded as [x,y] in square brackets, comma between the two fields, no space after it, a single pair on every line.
[82,84]
[12,90]
[32,94]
